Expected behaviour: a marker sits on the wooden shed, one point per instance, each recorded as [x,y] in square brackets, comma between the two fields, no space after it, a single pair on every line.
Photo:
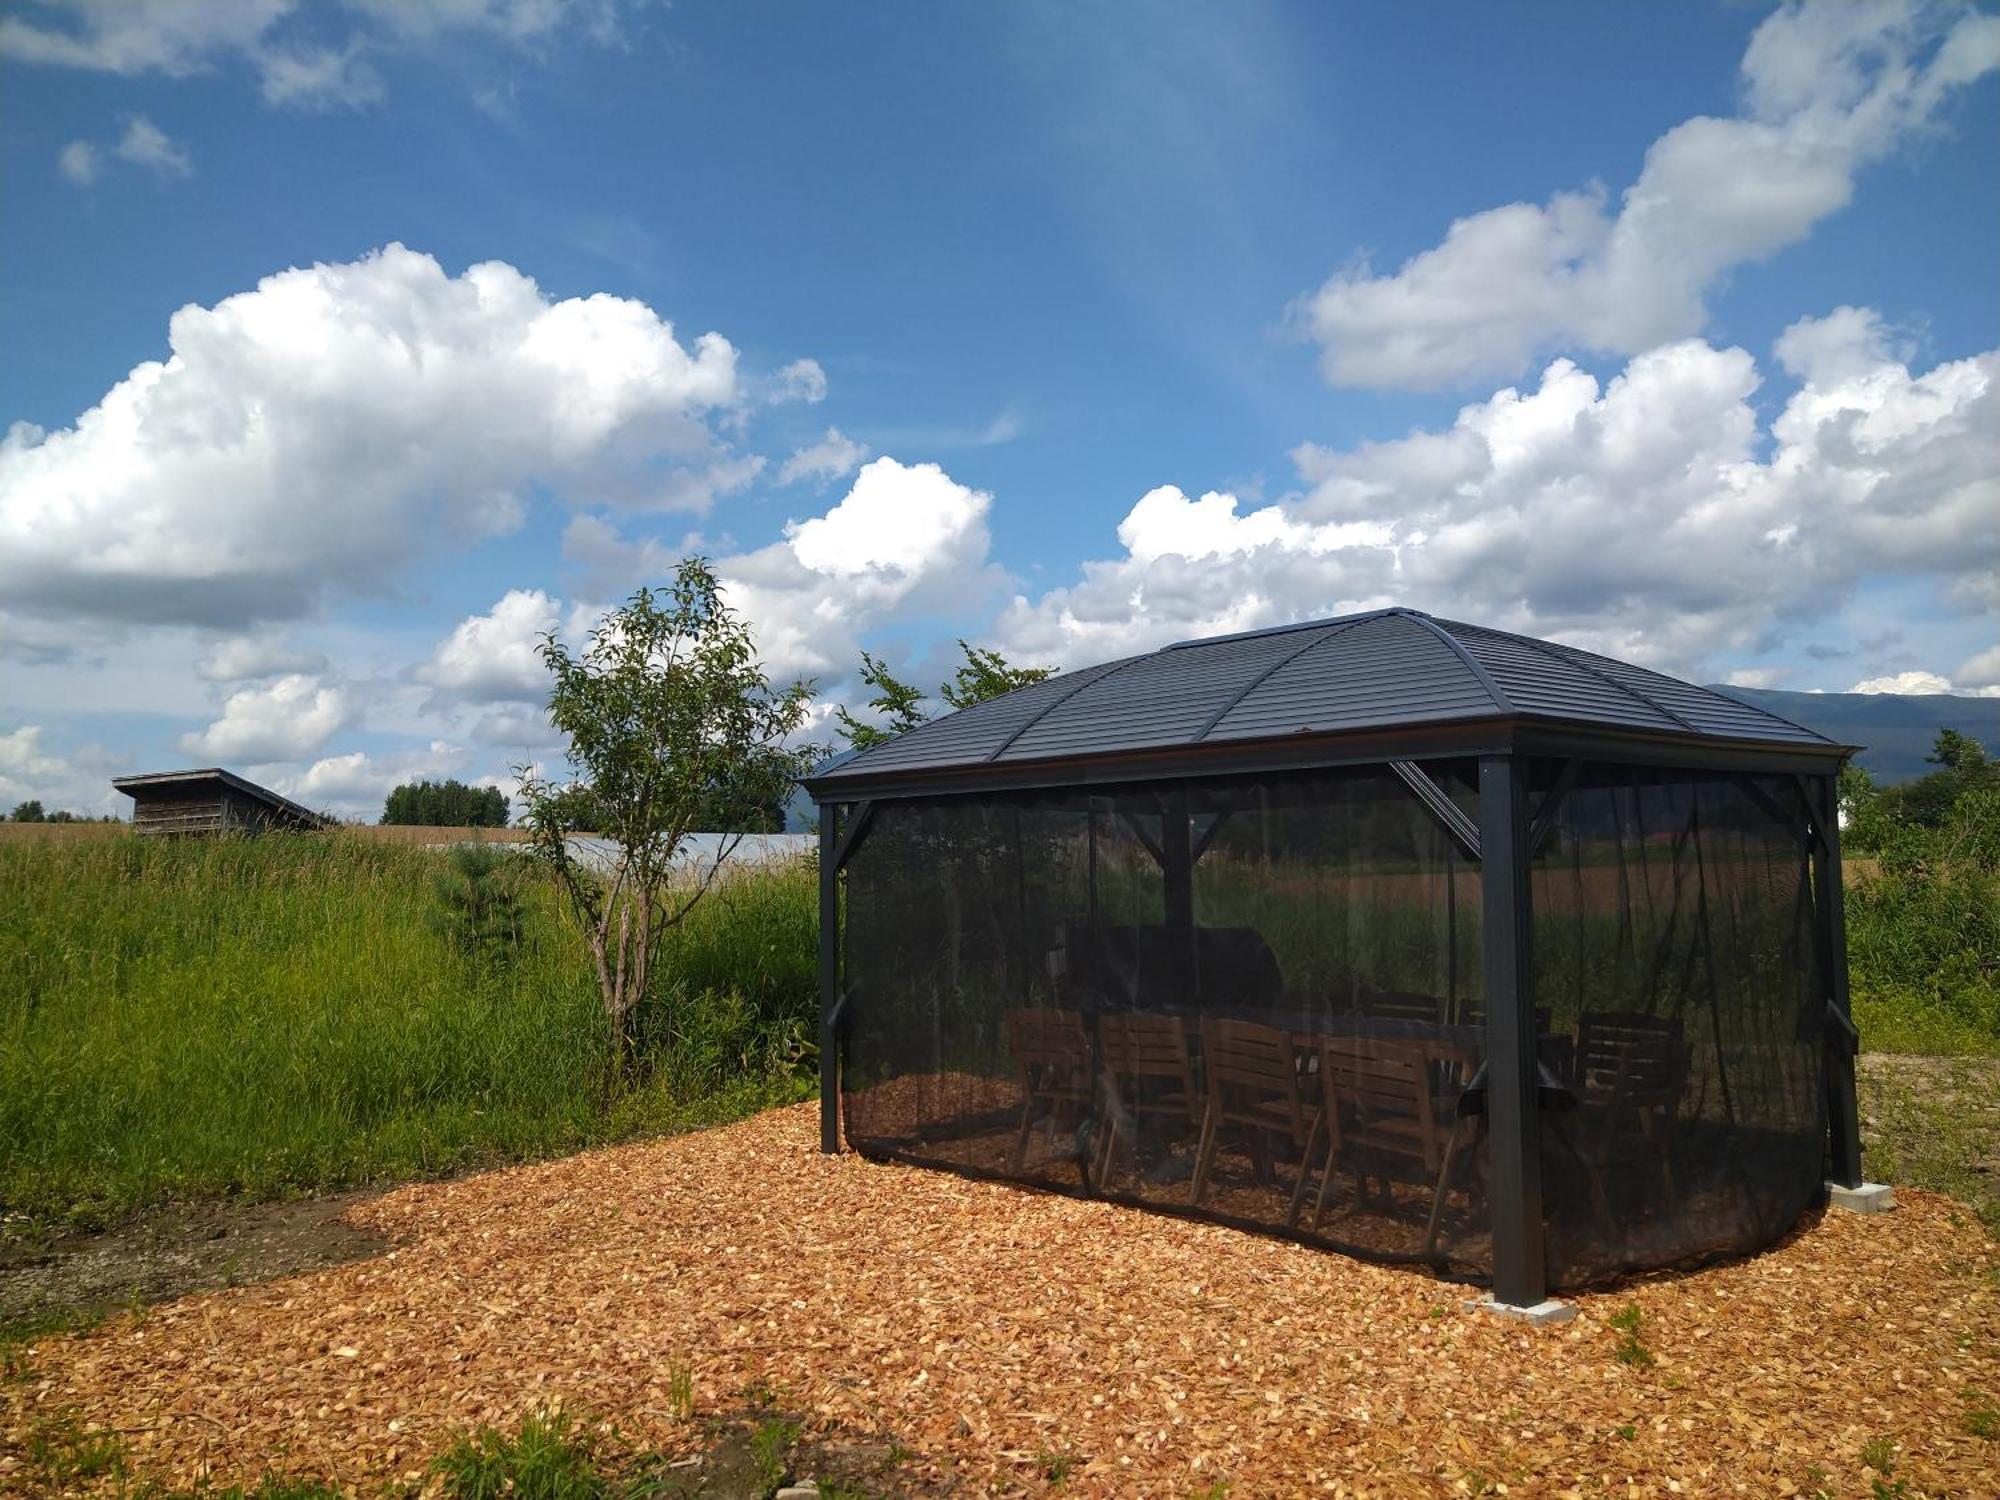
[210,801]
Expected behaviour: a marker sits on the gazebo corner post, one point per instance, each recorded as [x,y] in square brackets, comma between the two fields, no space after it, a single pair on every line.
[1846,1186]
[829,979]
[1520,1268]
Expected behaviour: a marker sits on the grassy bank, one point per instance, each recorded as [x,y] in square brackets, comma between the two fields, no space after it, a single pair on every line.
[299,1013]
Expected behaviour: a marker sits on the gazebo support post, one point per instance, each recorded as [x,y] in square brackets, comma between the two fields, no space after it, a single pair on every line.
[1520,1271]
[829,979]
[1846,1187]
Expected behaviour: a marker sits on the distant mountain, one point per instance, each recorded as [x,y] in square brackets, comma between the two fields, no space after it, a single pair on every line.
[1895,729]
[800,814]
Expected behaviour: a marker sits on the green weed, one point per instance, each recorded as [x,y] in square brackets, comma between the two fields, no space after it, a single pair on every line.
[680,1389]
[1631,1349]
[1055,1465]
[1983,1421]
[1879,1454]
[771,1449]
[65,1453]
[547,1458]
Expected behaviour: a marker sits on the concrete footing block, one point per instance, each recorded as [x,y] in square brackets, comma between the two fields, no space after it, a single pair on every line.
[1545,1314]
[1869,1198]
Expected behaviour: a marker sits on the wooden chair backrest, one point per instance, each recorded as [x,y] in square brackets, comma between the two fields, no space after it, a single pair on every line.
[1133,1044]
[1371,1082]
[1402,1005]
[1260,1062]
[1625,1058]
[1048,1038]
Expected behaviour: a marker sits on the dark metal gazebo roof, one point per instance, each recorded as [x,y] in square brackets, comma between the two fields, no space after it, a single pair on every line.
[1389,682]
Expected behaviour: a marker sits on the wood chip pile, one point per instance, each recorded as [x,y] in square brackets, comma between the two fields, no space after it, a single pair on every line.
[996,1332]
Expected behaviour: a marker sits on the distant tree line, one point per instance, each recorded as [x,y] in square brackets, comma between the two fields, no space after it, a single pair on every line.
[445,804]
[31,811]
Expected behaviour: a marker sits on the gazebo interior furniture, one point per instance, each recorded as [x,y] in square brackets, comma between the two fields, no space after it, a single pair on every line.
[1409,938]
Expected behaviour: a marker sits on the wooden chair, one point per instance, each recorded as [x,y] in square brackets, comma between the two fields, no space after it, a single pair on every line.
[1148,1069]
[1631,1071]
[1253,1084]
[1052,1051]
[1379,1102]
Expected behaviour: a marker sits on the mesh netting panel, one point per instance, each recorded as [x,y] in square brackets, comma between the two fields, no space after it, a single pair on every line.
[1257,1002]
[1673,954]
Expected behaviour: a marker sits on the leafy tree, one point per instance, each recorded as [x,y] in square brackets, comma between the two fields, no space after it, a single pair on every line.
[667,703]
[445,804]
[984,674]
[1957,752]
[898,702]
[29,811]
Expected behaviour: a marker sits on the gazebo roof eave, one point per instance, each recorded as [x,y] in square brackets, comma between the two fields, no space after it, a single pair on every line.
[1496,735]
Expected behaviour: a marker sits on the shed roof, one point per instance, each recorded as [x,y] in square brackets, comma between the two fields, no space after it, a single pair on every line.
[1384,672]
[181,782]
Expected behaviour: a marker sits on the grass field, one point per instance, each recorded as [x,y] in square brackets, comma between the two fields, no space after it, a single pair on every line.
[258,1017]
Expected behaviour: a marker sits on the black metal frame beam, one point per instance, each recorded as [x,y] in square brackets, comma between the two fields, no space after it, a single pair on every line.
[1433,796]
[1520,1264]
[829,977]
[1843,1115]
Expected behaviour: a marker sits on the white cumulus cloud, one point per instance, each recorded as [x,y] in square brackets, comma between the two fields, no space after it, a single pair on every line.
[1827,90]
[285,720]
[1925,683]
[904,538]
[834,456]
[302,58]
[315,436]
[496,657]
[144,144]
[245,658]
[1650,517]
[79,162]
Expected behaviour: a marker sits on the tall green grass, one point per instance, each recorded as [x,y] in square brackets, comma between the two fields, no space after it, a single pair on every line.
[262,1016]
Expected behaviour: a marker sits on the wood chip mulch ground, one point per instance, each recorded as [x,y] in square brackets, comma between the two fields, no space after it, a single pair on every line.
[1004,1336]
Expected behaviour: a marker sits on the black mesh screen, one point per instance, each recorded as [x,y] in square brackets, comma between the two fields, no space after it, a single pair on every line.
[1673,951]
[1261,1001]
[1255,1001]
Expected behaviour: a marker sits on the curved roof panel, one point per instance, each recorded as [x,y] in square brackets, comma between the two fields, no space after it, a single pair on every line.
[1388,669]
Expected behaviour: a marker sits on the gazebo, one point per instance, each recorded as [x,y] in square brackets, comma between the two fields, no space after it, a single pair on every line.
[1409,938]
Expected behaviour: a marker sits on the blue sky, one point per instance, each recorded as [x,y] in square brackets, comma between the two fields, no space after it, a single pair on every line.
[1069,330]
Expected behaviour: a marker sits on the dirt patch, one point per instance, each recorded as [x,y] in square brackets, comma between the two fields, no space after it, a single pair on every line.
[74,1278]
